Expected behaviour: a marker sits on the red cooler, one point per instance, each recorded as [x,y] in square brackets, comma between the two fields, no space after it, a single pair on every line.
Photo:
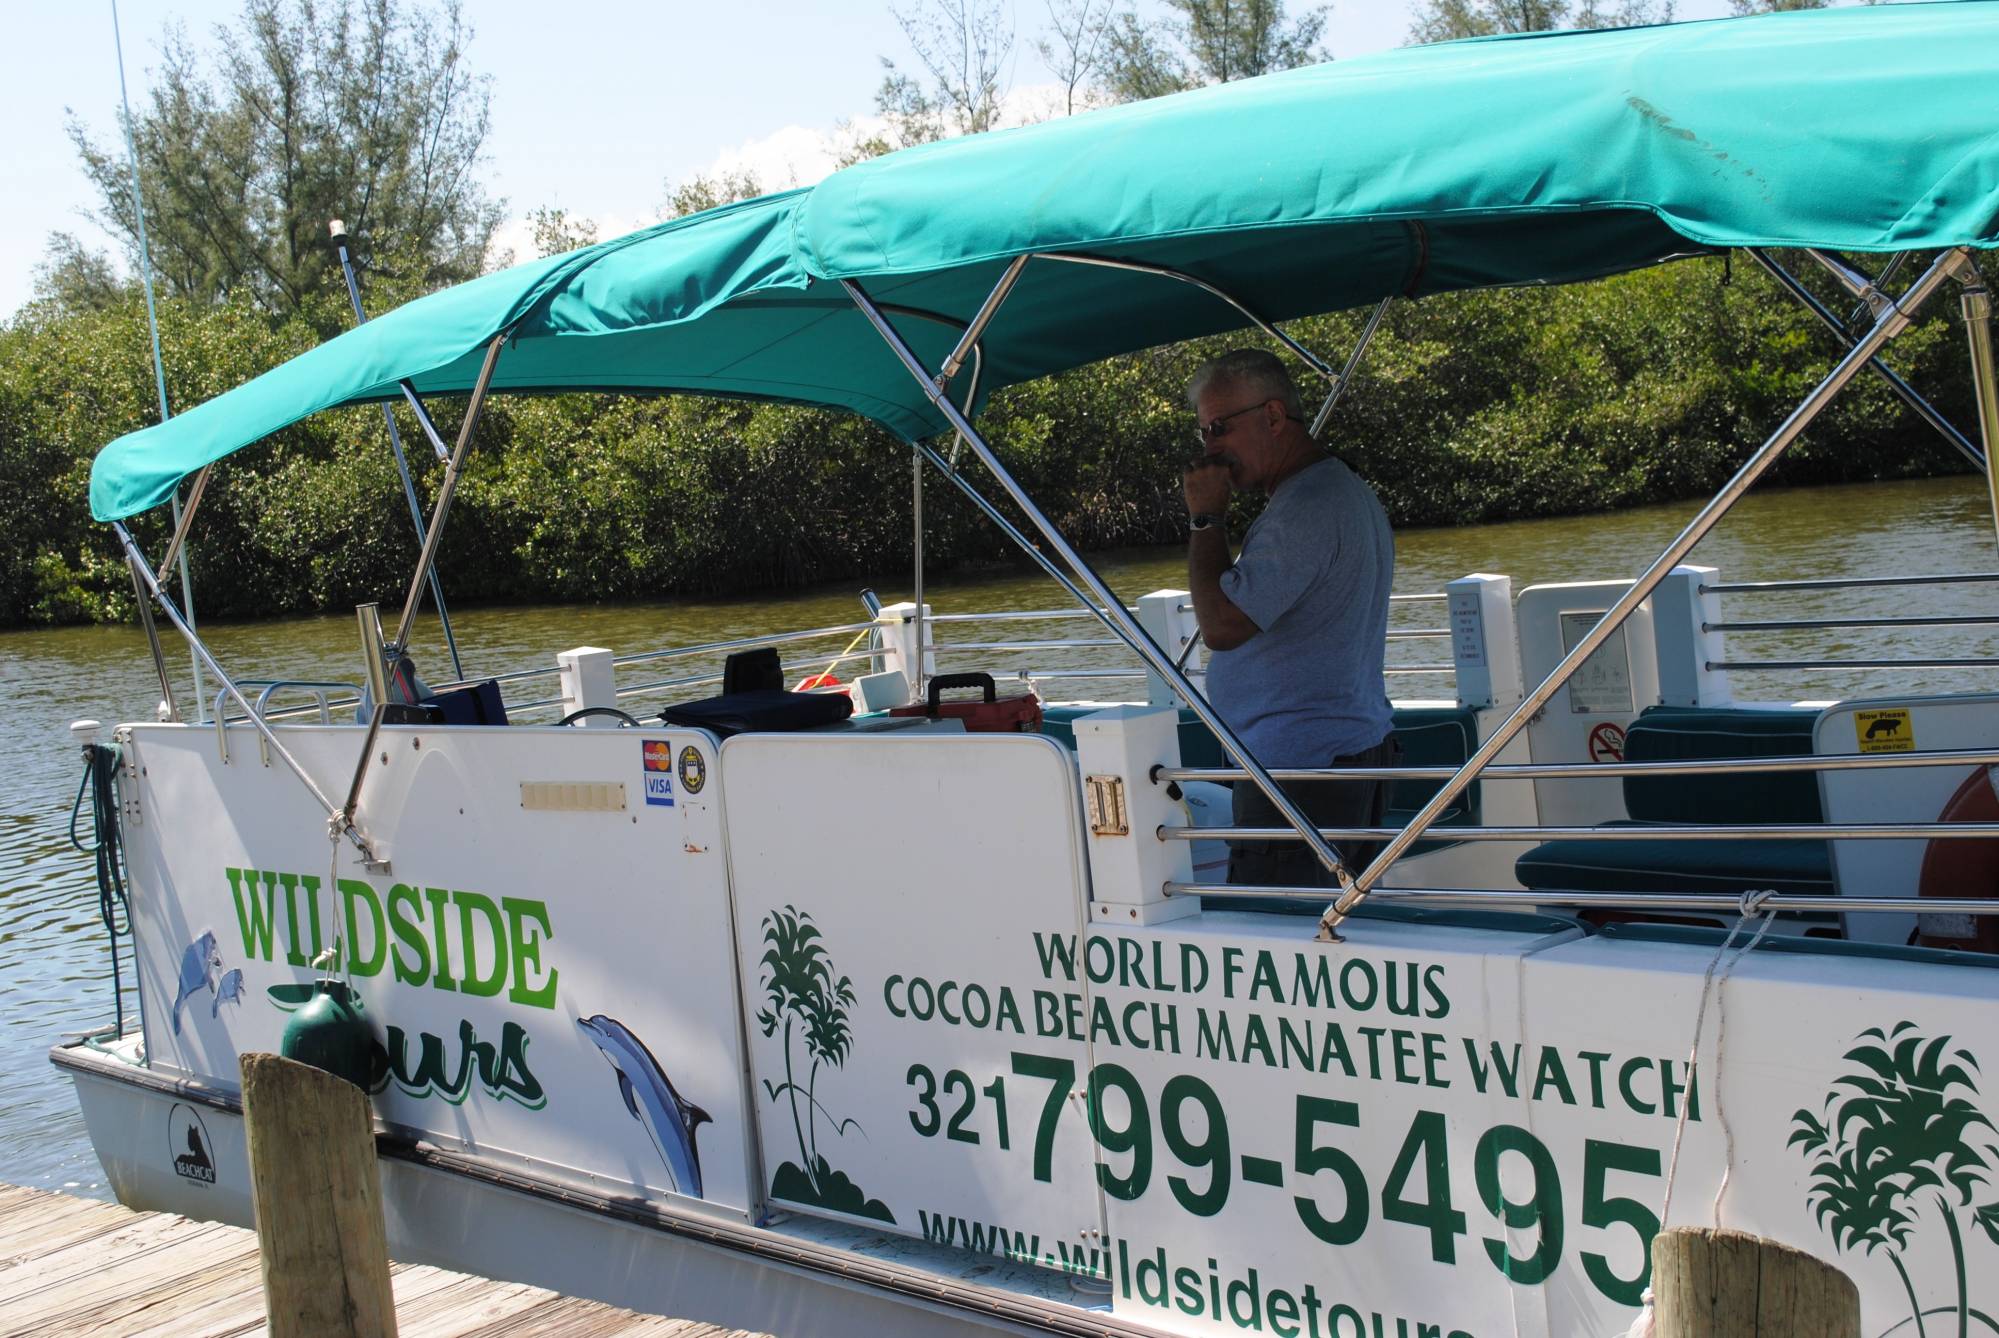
[993,714]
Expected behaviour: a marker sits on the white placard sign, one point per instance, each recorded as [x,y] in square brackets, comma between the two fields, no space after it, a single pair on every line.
[1467,629]
[1602,686]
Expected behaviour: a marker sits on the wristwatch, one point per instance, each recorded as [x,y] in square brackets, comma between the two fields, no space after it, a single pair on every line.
[1204,520]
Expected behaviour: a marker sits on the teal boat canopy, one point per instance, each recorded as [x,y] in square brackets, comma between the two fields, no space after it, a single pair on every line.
[1546,158]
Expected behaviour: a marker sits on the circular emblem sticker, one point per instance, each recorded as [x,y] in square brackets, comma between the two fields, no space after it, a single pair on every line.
[1606,744]
[693,771]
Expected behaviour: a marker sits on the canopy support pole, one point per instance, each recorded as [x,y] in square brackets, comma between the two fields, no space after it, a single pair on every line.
[137,561]
[1891,321]
[987,310]
[1312,360]
[1345,377]
[396,446]
[414,599]
[182,523]
[1111,610]
[1976,303]
[916,520]
[1013,532]
[1924,409]
[169,709]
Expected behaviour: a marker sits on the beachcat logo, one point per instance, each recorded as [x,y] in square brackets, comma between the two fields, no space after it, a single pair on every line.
[658,761]
[188,1143]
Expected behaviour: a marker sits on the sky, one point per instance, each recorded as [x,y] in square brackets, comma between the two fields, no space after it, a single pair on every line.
[598,105]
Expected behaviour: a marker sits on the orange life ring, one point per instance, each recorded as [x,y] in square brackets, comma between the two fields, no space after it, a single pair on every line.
[1963,869]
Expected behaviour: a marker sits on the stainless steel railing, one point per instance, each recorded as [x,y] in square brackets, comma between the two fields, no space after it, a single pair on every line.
[1726,766]
[1857,624]
[1767,831]
[1510,899]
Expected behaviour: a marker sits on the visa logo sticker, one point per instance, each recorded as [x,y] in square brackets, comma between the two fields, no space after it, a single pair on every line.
[657,759]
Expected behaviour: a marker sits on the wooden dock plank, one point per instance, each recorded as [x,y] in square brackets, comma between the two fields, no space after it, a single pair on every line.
[72,1266]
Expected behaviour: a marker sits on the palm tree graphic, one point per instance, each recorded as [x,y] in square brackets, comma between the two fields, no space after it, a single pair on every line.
[1893,1140]
[804,997]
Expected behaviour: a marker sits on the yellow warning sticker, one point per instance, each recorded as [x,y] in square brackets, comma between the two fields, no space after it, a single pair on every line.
[1884,731]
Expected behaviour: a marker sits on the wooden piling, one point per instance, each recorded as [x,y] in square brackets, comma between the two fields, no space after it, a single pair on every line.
[1731,1284]
[318,1196]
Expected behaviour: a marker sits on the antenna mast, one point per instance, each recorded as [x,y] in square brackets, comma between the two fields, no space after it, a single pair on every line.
[153,323]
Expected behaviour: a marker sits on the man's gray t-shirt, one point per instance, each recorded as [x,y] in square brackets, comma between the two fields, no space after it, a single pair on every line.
[1313,574]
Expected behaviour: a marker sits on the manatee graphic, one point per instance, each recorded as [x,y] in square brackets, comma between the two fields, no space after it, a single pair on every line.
[197,971]
[669,1119]
[230,990]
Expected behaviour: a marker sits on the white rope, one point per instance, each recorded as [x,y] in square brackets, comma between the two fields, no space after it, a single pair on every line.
[1752,907]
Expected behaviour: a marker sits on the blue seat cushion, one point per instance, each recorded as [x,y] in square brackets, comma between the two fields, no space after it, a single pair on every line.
[1677,866]
[1702,733]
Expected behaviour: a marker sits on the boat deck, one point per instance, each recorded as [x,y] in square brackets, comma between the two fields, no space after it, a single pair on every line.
[70,1265]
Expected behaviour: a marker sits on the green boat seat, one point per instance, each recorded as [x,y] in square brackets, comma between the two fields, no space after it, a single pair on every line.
[1430,736]
[1677,733]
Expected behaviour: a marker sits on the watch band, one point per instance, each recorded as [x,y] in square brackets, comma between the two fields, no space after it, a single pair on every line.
[1204,520]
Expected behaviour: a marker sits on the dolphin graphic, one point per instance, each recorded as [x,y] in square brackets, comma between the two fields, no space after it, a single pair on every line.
[197,971]
[230,990]
[669,1118]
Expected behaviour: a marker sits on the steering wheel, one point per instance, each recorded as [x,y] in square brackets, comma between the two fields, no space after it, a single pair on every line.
[588,711]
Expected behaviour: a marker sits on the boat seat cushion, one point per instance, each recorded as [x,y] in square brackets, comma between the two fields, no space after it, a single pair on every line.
[1677,866]
[1687,733]
[1677,733]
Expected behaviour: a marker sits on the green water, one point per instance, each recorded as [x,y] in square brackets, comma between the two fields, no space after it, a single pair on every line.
[53,972]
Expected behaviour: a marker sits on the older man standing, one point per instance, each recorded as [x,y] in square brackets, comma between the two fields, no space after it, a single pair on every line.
[1296,624]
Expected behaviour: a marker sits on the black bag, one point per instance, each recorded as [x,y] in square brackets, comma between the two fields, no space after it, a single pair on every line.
[479,704]
[763,710]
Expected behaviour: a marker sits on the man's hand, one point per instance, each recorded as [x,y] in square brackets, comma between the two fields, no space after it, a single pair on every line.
[1206,485]
[1223,625]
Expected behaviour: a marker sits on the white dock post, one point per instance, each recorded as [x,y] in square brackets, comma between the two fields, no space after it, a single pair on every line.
[898,638]
[1681,610]
[589,679]
[1161,614]
[1117,748]
[1485,646]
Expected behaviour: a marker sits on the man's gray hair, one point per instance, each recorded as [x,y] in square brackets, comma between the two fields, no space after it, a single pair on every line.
[1251,370]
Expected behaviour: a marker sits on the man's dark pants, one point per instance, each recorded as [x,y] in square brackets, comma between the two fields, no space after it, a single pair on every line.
[1347,803]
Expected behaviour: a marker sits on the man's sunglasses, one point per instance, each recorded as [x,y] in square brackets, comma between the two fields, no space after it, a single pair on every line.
[1216,429]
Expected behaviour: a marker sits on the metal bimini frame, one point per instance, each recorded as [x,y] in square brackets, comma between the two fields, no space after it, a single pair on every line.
[341,821]
[1891,317]
[1103,602]
[339,231]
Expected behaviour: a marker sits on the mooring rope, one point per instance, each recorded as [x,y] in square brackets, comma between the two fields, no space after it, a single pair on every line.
[114,906]
[1753,906]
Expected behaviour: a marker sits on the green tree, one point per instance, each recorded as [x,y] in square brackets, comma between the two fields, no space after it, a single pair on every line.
[800,989]
[703,191]
[363,110]
[1896,1137]
[556,230]
[1450,20]
[74,278]
[1207,42]
[1076,46]
[964,47]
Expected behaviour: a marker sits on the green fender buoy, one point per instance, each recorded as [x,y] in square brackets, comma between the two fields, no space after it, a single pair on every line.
[329,1032]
